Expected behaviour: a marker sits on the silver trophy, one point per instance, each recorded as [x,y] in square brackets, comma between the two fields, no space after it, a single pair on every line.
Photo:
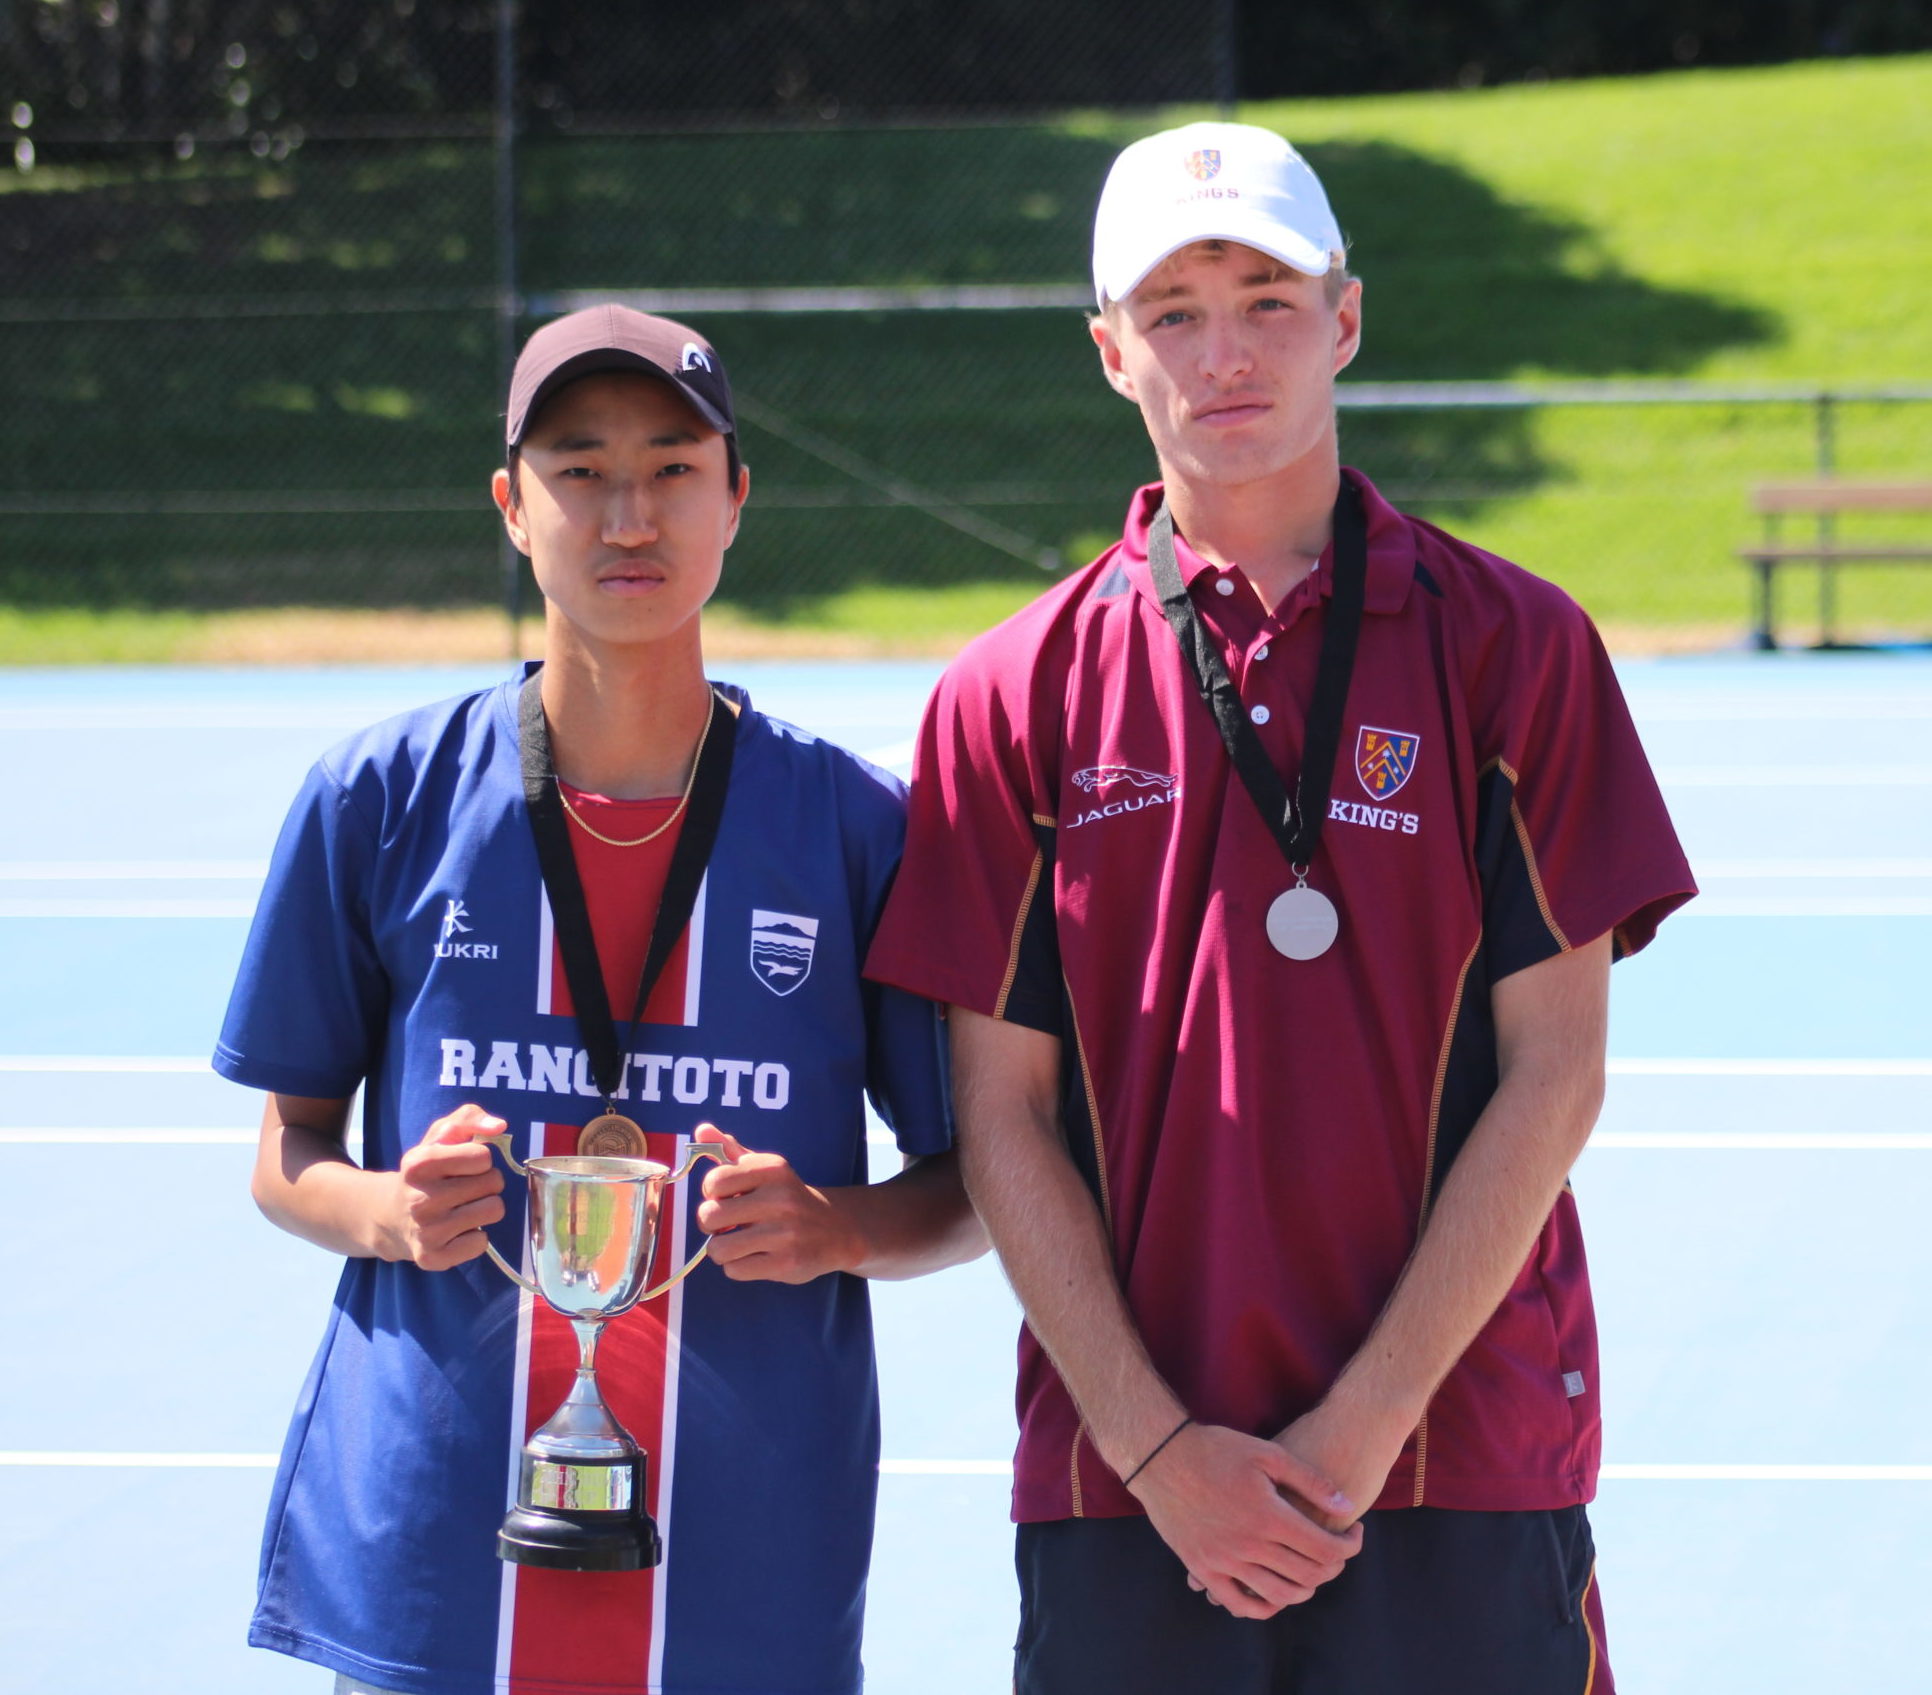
[593,1234]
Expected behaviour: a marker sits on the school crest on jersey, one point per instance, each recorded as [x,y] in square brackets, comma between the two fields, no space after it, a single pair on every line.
[782,944]
[1384,759]
[1203,163]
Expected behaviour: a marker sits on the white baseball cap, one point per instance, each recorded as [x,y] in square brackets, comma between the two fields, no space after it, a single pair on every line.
[1209,182]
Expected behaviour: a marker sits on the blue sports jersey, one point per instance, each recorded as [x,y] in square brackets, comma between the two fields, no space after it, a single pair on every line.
[403,945]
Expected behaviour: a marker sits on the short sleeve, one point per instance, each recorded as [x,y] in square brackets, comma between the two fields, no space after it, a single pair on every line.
[908,1072]
[311,998]
[1573,838]
[970,920]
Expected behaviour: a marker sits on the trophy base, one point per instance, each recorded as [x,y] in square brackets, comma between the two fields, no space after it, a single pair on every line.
[565,1541]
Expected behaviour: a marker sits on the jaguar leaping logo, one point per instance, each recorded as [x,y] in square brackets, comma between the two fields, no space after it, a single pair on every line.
[1097,778]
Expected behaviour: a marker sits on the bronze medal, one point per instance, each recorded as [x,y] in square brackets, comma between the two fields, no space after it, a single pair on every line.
[612,1136]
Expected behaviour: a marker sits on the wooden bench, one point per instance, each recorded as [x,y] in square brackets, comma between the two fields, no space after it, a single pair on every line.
[1823,499]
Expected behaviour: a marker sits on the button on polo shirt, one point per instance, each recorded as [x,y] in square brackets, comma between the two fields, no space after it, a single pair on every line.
[1262,1135]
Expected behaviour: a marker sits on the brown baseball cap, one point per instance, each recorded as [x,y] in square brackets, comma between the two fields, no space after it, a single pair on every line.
[618,338]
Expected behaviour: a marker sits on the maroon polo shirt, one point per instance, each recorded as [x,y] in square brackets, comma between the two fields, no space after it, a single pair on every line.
[1264,1135]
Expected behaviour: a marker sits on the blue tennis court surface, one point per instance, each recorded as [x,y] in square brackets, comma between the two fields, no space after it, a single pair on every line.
[1755,1198]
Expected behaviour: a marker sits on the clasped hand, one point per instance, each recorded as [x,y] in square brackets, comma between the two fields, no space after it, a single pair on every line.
[1257,1526]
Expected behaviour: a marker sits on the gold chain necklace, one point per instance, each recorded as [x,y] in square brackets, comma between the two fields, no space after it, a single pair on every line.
[677,811]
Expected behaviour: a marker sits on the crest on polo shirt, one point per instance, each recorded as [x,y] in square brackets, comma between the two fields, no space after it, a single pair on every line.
[782,945]
[1203,163]
[1384,759]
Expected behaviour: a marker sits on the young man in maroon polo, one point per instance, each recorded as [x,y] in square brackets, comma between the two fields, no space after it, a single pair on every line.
[1273,867]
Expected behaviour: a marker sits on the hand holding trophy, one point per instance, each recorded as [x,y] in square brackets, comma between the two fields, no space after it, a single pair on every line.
[593,1233]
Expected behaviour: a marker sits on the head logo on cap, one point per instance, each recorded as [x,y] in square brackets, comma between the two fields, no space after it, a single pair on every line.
[694,358]
[1204,163]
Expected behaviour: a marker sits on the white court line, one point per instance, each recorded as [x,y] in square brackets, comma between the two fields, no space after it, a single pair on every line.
[135,1064]
[143,1462]
[1834,869]
[1800,776]
[262,716]
[1767,1473]
[1833,1141]
[1004,1468]
[1809,906]
[946,1468]
[1769,1067]
[48,1135]
[127,908]
[133,870]
[1784,709]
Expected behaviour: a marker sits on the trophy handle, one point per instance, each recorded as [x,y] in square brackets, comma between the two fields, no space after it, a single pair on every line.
[500,1140]
[509,1271]
[692,1154]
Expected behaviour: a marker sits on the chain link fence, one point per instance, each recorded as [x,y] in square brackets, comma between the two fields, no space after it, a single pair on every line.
[260,264]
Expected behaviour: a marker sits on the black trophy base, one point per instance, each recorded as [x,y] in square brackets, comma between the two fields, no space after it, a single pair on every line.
[578,1541]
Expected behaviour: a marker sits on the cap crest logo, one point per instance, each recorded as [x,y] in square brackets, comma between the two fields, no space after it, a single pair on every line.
[1384,759]
[694,358]
[1203,163]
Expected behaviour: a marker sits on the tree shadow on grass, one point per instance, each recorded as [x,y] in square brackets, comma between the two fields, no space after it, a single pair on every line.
[1003,413]
[1461,284]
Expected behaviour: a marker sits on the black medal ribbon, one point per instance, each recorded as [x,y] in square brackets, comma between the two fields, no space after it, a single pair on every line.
[1294,820]
[565,887]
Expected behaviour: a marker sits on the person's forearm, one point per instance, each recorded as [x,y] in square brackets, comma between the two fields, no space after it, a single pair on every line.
[917,1221]
[1250,1520]
[433,1209]
[1495,1200]
[311,1188]
[1494,1203]
[1053,1245]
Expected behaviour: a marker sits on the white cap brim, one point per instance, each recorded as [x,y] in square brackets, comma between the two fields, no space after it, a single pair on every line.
[1131,269]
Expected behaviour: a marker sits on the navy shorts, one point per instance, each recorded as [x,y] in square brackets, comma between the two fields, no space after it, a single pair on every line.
[1436,1603]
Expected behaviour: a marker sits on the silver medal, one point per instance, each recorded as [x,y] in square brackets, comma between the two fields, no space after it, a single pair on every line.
[1302,923]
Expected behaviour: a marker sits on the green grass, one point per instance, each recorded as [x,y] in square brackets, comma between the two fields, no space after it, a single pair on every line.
[1760,226]
[73,635]
[1797,194]
[1741,227]
[876,620]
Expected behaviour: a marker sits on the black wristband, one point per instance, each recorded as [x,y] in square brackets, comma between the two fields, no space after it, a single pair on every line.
[1162,1443]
